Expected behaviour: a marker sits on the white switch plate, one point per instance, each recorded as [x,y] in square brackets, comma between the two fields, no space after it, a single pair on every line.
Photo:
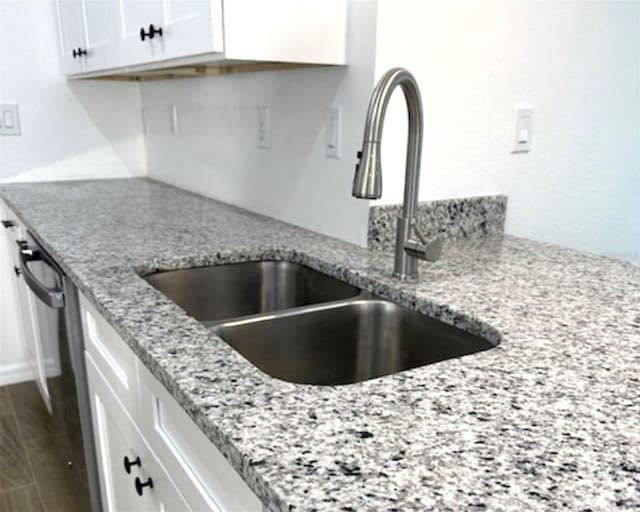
[523,130]
[9,119]
[264,128]
[333,132]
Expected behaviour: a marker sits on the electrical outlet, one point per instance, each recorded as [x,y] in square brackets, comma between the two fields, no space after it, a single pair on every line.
[264,128]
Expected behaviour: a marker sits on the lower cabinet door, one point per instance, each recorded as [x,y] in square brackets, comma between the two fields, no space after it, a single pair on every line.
[205,478]
[30,328]
[131,477]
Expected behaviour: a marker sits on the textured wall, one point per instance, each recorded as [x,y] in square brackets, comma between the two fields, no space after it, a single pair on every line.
[577,62]
[215,150]
[70,129]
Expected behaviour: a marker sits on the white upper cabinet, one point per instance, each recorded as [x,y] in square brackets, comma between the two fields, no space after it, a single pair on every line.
[101,33]
[127,36]
[72,35]
[286,30]
[88,35]
[191,27]
[156,30]
[137,15]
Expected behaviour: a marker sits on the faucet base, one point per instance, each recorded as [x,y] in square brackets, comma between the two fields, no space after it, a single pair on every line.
[405,265]
[412,246]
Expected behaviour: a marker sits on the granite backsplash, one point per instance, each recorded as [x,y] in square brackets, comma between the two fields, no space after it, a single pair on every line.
[467,217]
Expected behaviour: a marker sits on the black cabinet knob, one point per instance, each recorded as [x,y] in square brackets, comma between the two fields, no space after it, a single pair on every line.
[78,52]
[140,486]
[18,271]
[153,31]
[8,223]
[128,463]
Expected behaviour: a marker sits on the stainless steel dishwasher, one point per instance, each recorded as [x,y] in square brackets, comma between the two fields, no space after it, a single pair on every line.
[62,375]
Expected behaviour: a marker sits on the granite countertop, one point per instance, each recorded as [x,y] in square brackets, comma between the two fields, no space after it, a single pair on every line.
[548,420]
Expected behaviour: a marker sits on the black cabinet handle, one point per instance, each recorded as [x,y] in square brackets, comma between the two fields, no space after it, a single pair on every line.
[8,223]
[128,463]
[140,486]
[153,31]
[79,52]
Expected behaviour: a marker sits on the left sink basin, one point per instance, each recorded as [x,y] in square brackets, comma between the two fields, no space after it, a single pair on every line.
[212,294]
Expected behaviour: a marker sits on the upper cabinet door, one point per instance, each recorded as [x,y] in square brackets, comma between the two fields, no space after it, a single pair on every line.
[72,35]
[102,35]
[137,15]
[180,28]
[191,27]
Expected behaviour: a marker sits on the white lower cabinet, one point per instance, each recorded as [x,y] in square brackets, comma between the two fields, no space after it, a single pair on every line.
[203,475]
[131,477]
[136,420]
[28,325]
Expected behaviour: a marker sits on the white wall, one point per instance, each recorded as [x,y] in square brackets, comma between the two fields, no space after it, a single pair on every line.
[215,151]
[577,62]
[76,129]
[70,130]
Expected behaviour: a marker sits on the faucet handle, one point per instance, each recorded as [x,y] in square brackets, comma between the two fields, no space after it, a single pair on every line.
[418,246]
[431,251]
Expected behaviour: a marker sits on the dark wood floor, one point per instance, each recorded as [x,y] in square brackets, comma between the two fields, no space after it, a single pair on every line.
[33,476]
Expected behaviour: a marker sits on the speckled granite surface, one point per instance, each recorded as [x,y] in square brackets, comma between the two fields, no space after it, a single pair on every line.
[469,217]
[548,420]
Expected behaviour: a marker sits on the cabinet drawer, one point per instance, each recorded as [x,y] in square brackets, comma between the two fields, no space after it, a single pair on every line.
[112,356]
[117,440]
[205,478]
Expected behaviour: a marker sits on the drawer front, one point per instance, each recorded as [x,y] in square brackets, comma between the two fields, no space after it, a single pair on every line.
[116,438]
[112,356]
[205,478]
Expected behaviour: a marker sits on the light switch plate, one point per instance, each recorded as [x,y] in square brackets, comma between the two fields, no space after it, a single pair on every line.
[523,130]
[9,119]
[332,132]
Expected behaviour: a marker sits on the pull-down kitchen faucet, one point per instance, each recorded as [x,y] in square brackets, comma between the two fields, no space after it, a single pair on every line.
[411,245]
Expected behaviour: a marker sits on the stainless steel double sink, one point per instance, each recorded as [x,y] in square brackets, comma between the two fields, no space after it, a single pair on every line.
[300,325]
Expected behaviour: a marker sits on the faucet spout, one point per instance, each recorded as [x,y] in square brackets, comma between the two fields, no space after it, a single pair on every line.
[367,183]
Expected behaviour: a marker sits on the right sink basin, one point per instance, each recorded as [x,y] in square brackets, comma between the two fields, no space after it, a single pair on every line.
[346,342]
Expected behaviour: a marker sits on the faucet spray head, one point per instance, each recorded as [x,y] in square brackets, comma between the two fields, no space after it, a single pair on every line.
[367,183]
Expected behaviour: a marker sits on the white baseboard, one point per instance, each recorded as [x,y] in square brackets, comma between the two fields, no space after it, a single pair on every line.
[23,371]
[16,372]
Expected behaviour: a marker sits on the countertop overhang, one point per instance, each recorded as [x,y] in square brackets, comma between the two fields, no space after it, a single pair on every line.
[547,420]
